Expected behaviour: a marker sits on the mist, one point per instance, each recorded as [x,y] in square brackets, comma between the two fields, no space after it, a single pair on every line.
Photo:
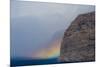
[34,24]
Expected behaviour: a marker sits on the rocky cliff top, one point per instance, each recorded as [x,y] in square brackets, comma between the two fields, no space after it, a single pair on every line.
[79,40]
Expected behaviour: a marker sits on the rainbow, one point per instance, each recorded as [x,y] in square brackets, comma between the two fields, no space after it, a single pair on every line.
[52,51]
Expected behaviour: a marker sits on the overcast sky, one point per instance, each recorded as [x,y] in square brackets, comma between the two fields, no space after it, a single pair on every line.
[34,23]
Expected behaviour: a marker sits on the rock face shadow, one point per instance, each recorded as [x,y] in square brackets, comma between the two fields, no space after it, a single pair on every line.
[78,43]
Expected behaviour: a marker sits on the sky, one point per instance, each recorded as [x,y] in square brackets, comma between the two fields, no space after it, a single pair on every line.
[37,28]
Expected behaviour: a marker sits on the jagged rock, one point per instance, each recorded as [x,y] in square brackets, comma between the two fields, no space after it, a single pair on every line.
[79,40]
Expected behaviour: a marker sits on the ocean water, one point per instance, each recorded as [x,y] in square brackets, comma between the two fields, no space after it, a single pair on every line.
[27,61]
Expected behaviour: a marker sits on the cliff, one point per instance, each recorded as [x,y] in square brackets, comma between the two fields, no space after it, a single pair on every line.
[78,43]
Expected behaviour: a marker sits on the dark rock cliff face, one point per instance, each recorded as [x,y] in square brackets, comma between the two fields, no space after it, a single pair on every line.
[79,40]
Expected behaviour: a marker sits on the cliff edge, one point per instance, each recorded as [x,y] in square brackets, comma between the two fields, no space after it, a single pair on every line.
[79,40]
